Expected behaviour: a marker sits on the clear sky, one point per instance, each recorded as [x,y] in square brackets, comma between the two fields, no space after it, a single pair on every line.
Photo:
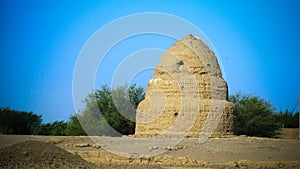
[257,42]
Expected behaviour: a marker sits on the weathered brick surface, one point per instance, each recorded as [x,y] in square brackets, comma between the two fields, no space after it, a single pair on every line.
[187,87]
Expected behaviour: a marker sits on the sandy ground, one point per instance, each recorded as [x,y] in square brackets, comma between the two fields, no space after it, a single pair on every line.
[233,152]
[290,133]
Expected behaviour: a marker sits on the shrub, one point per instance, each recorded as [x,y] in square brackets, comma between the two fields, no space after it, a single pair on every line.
[73,127]
[255,116]
[110,112]
[288,119]
[18,122]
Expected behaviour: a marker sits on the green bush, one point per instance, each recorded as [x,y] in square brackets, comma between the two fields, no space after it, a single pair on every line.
[18,122]
[255,116]
[43,129]
[111,112]
[57,128]
[74,127]
[288,119]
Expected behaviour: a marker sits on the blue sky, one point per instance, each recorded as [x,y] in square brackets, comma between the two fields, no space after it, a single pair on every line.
[257,43]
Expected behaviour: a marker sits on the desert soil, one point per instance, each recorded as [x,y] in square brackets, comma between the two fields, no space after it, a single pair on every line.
[24,151]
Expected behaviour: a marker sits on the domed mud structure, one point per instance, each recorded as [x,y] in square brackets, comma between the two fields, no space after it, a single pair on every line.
[187,95]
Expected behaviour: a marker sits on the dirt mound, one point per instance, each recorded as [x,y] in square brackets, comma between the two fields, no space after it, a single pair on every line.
[37,154]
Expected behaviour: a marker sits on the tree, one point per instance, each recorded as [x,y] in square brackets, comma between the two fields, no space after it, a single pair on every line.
[136,95]
[73,127]
[255,116]
[43,129]
[111,112]
[18,122]
[288,119]
[58,128]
